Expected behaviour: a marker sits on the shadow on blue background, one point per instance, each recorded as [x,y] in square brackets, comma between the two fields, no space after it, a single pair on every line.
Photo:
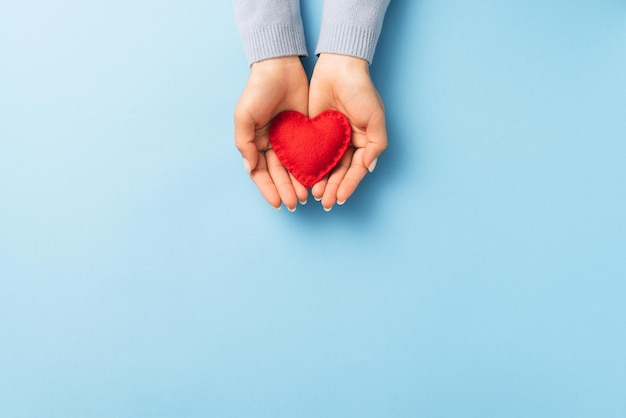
[479,271]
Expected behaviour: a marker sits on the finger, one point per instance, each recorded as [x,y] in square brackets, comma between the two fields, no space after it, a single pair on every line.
[318,188]
[261,177]
[244,139]
[301,192]
[376,134]
[335,179]
[353,177]
[282,181]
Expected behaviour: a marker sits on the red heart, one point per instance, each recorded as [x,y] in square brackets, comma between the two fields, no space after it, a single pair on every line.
[310,148]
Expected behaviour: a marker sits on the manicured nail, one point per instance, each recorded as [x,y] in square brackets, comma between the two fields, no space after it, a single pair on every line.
[246,166]
[341,202]
[327,209]
[303,202]
[292,210]
[372,165]
[277,207]
[317,199]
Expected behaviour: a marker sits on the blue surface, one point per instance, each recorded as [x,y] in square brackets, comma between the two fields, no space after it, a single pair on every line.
[478,272]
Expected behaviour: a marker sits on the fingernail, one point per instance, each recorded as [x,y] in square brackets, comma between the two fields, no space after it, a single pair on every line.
[317,199]
[341,202]
[372,165]
[246,166]
[277,207]
[292,210]
[303,202]
[327,209]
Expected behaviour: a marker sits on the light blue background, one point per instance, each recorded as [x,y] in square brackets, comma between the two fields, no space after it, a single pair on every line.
[478,272]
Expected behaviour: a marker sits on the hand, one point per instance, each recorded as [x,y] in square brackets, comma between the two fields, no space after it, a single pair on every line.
[274,85]
[343,83]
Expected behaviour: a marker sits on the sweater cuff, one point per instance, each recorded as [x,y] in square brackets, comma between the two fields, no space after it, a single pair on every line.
[348,40]
[274,41]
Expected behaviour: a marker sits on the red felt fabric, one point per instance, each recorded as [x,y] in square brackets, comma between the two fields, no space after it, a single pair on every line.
[310,148]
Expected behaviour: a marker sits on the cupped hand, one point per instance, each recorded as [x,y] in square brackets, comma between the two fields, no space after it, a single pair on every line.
[274,85]
[343,83]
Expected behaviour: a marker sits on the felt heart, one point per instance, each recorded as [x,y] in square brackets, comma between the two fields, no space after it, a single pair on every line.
[310,148]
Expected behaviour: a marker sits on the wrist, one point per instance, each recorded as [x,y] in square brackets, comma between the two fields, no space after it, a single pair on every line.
[292,61]
[342,62]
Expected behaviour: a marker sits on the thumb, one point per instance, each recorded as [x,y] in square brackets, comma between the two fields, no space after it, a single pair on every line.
[250,156]
[376,144]
[244,141]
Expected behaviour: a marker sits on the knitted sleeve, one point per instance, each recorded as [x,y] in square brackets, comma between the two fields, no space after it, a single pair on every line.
[351,27]
[270,28]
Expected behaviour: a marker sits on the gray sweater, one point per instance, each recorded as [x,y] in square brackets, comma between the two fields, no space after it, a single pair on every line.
[273,28]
